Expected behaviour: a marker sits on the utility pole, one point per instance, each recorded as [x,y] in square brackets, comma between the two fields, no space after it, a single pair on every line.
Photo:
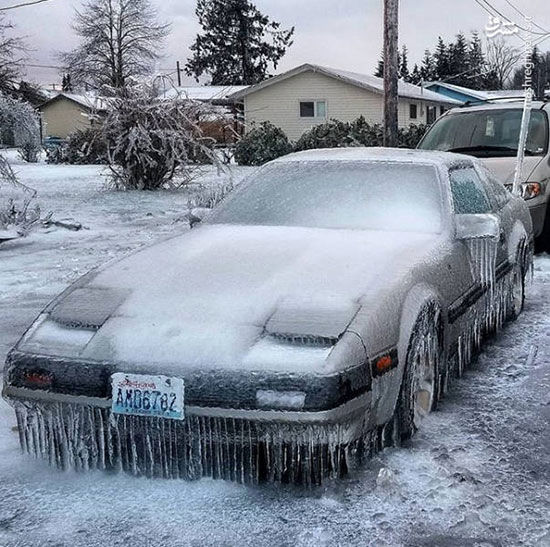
[178,70]
[391,18]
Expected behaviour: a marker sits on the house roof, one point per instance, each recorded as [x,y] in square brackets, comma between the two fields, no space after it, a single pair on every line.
[478,94]
[365,81]
[89,101]
[203,93]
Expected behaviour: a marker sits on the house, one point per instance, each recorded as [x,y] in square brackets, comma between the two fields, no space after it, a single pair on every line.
[66,113]
[467,95]
[222,122]
[311,94]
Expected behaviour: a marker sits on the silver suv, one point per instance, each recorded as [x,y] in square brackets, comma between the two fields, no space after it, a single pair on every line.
[490,131]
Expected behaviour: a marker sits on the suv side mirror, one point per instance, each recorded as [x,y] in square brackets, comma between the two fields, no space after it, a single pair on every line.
[477,226]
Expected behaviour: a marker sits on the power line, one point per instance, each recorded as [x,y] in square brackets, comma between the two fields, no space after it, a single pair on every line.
[491,10]
[518,11]
[23,4]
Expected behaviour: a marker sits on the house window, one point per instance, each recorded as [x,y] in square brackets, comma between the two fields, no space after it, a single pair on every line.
[432,114]
[413,111]
[442,110]
[313,109]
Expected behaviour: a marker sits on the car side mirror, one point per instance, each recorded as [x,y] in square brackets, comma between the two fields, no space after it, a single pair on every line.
[477,226]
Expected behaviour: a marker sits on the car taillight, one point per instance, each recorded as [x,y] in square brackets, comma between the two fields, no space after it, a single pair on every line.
[530,190]
[38,378]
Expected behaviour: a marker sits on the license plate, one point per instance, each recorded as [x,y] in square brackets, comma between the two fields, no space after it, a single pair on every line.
[143,395]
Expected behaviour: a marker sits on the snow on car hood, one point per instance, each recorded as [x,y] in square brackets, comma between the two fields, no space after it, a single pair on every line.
[504,168]
[206,298]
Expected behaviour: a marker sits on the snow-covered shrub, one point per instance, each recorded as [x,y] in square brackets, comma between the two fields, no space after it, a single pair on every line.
[149,141]
[338,134]
[22,121]
[18,210]
[262,144]
[86,147]
[410,136]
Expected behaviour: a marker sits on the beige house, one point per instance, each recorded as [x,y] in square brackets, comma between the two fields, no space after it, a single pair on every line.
[68,112]
[310,95]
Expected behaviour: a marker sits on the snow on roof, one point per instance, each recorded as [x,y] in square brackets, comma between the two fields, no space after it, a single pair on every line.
[365,81]
[91,101]
[376,154]
[203,93]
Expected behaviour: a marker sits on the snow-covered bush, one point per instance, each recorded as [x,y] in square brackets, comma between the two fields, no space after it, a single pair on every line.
[18,210]
[262,144]
[83,147]
[332,134]
[22,121]
[338,134]
[149,141]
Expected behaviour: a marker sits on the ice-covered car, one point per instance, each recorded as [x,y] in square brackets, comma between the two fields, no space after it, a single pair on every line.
[321,307]
[490,131]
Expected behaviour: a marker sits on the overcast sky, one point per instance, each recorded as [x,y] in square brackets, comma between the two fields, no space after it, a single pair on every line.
[345,34]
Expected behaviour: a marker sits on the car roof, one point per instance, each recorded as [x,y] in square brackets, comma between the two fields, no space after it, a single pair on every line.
[507,104]
[397,155]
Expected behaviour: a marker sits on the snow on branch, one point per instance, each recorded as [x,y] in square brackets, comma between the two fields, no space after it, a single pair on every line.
[154,143]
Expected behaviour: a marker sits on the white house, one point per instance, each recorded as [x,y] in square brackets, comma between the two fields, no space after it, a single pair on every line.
[311,94]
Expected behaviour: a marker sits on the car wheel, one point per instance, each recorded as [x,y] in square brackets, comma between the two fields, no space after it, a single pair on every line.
[517,292]
[421,380]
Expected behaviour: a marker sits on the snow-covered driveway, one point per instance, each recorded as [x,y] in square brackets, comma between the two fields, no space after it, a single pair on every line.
[478,473]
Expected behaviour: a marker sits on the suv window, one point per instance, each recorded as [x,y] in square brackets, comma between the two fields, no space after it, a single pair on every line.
[468,191]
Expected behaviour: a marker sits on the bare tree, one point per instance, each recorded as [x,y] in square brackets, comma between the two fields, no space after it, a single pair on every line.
[12,53]
[120,40]
[501,59]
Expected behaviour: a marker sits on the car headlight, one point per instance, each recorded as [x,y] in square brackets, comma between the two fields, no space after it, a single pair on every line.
[530,190]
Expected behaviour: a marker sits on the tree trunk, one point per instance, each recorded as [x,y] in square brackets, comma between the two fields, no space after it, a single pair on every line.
[391,9]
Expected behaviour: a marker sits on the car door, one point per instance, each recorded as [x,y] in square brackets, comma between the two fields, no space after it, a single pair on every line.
[471,196]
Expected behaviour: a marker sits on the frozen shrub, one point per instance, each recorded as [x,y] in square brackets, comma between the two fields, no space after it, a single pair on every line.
[332,134]
[410,137]
[21,122]
[149,141]
[18,210]
[261,144]
[338,134]
[86,147]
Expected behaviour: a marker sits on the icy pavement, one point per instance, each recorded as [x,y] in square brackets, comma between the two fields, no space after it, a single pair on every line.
[477,474]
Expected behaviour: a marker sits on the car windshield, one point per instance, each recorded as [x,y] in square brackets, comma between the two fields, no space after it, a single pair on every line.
[488,133]
[387,196]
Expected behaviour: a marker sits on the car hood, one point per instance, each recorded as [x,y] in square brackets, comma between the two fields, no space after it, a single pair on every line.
[504,168]
[210,296]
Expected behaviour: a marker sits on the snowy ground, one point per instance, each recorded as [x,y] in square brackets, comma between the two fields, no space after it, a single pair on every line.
[478,473]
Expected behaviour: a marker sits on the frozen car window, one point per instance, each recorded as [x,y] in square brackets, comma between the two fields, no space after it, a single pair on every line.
[488,133]
[468,192]
[330,194]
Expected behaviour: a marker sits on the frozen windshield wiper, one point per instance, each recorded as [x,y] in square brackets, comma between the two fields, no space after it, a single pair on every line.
[489,148]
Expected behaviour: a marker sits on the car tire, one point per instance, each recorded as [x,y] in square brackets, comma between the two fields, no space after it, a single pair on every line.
[420,388]
[517,291]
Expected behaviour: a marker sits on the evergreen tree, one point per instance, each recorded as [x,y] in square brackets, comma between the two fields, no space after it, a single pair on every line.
[458,63]
[416,76]
[477,65]
[66,84]
[379,72]
[237,44]
[441,58]
[404,73]
[428,70]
